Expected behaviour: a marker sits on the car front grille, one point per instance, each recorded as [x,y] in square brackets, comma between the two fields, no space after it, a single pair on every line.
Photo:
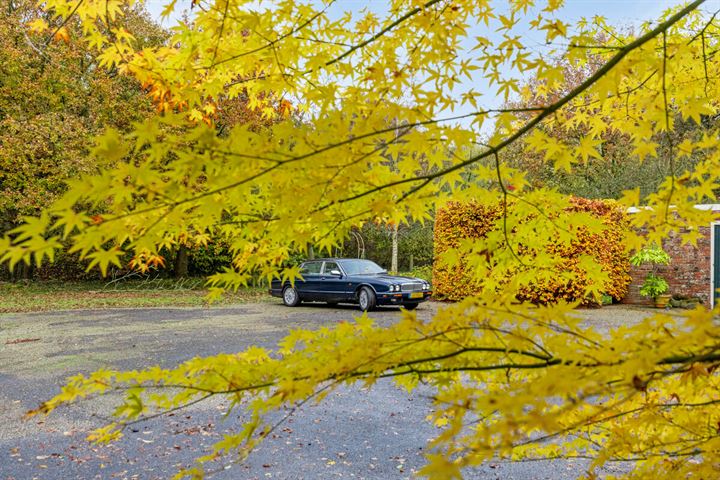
[412,287]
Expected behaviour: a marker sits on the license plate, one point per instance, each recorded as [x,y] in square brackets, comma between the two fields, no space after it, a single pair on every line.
[416,295]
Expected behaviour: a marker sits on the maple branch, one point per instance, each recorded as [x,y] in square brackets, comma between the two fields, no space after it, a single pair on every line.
[595,420]
[64,22]
[220,34]
[547,111]
[310,154]
[270,44]
[393,370]
[667,128]
[382,32]
[635,458]
[505,211]
[37,49]
[165,412]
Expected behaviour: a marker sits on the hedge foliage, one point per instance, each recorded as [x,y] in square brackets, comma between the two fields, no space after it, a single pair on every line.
[470,233]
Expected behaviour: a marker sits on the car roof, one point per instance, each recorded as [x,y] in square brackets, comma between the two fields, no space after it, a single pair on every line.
[333,259]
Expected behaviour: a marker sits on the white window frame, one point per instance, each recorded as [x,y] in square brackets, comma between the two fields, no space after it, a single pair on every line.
[712,263]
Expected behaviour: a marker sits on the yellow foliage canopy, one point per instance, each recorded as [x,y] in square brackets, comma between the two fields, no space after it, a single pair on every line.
[383,128]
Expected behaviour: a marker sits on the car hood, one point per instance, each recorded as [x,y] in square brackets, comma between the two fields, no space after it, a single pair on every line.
[385,278]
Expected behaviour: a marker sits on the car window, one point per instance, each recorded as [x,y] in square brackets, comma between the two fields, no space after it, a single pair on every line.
[361,267]
[310,268]
[330,266]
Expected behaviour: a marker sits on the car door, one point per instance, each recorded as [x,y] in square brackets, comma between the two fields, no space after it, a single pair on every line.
[309,286]
[334,287]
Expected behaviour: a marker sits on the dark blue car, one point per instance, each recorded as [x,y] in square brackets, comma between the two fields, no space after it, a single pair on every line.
[351,280]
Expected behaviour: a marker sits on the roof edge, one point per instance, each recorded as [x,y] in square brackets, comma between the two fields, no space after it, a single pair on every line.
[713,207]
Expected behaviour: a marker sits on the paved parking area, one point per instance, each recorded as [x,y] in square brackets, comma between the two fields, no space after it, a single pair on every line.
[375,434]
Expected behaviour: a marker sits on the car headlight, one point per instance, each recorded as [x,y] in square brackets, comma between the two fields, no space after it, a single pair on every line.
[426,286]
[394,288]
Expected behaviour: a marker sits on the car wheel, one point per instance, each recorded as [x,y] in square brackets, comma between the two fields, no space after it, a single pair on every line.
[410,306]
[290,297]
[366,299]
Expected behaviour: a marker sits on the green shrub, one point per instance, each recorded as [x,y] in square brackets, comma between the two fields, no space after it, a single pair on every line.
[210,259]
[653,286]
[424,272]
[653,255]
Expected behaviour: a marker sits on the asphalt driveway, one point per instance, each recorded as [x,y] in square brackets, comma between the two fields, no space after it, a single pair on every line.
[355,433]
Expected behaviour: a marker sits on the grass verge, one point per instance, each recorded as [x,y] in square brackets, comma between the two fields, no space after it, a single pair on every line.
[40,296]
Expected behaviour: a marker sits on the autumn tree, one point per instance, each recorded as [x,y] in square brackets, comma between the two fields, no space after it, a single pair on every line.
[53,100]
[511,380]
[611,165]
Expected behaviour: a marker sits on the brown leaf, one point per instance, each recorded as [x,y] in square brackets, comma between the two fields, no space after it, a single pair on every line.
[21,340]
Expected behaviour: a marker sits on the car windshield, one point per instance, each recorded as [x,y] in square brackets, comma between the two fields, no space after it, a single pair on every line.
[361,267]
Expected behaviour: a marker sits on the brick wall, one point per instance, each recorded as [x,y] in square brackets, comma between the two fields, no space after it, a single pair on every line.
[689,272]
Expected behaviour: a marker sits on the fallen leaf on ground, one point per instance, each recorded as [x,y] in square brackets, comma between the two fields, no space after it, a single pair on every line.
[21,340]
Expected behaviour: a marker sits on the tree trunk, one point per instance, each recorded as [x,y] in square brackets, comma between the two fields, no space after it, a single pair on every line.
[22,272]
[394,259]
[180,269]
[311,252]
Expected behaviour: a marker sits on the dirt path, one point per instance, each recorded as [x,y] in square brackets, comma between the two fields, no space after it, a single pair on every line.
[360,434]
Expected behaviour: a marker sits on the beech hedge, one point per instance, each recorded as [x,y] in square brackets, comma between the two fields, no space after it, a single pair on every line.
[472,220]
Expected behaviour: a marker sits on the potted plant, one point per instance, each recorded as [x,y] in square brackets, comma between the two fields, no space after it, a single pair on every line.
[654,286]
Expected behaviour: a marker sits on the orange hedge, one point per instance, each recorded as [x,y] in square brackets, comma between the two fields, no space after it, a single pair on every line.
[467,221]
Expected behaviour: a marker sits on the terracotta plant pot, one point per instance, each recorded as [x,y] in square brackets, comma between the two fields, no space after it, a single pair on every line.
[662,301]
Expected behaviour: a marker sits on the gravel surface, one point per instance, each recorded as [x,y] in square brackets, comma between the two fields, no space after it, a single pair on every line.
[354,433]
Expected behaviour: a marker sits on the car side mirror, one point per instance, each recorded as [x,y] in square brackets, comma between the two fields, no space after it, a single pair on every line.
[336,273]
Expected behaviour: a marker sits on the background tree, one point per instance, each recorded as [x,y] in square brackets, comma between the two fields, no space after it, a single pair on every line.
[611,165]
[54,99]
[510,380]
[414,240]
